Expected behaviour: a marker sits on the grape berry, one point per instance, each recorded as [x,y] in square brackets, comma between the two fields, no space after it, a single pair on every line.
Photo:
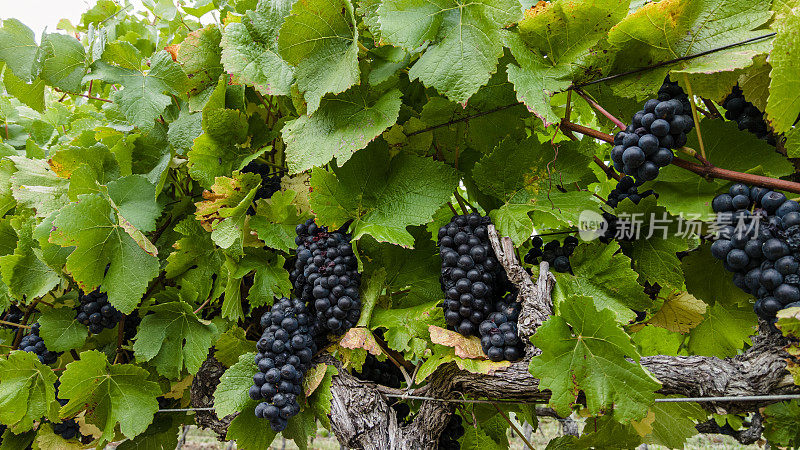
[270,184]
[499,338]
[34,344]
[628,188]
[554,253]
[758,240]
[746,115]
[453,431]
[326,277]
[97,313]
[13,315]
[285,351]
[646,145]
[471,274]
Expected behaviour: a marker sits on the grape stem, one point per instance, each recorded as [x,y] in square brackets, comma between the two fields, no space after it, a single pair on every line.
[517,430]
[707,171]
[12,324]
[90,97]
[695,116]
[600,109]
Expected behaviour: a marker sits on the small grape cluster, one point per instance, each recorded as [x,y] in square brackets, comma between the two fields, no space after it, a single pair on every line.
[285,351]
[759,241]
[270,184]
[499,338]
[13,315]
[452,432]
[471,275]
[554,253]
[97,313]
[67,428]
[746,115]
[380,372]
[628,188]
[326,277]
[646,145]
[34,344]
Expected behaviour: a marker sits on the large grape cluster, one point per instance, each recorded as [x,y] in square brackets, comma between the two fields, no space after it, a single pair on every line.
[628,188]
[97,313]
[759,241]
[471,275]
[554,253]
[453,431]
[270,183]
[13,315]
[34,344]
[499,337]
[285,350]
[746,115]
[326,277]
[646,145]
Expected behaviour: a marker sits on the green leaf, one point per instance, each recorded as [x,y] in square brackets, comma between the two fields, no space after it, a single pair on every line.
[782,105]
[707,279]
[325,61]
[250,48]
[159,435]
[34,177]
[654,340]
[249,431]
[199,56]
[475,438]
[780,423]
[232,344]
[27,391]
[723,332]
[382,196]
[407,328]
[606,276]
[25,274]
[465,40]
[100,240]
[135,199]
[231,393]
[173,337]
[552,41]
[225,210]
[585,349]
[31,94]
[673,423]
[18,48]
[61,330]
[110,394]
[64,63]
[320,400]
[184,130]
[144,95]
[342,125]
[195,262]
[667,30]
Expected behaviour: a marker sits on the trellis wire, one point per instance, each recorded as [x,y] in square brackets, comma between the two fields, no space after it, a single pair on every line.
[744,398]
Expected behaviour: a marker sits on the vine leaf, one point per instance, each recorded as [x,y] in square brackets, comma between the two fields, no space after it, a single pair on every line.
[707,279]
[31,179]
[780,423]
[325,61]
[381,195]
[408,329]
[173,337]
[25,274]
[27,391]
[313,378]
[654,340]
[441,355]
[703,25]
[723,332]
[250,48]
[231,344]
[224,209]
[199,56]
[18,49]
[782,104]
[464,346]
[195,262]
[680,313]
[465,40]
[276,219]
[584,349]
[61,330]
[342,125]
[101,243]
[360,338]
[320,400]
[249,431]
[144,95]
[63,61]
[110,394]
[606,276]
[231,393]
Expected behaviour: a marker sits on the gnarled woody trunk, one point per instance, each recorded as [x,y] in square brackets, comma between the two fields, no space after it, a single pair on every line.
[361,417]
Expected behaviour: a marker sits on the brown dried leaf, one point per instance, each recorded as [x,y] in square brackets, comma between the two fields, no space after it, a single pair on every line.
[360,337]
[465,347]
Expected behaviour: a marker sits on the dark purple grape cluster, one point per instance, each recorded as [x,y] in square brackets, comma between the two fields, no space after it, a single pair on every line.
[628,188]
[132,322]
[67,428]
[270,183]
[554,253]
[646,145]
[472,278]
[96,312]
[380,372]
[452,432]
[499,337]
[326,277]
[13,315]
[746,115]
[34,344]
[284,354]
[759,241]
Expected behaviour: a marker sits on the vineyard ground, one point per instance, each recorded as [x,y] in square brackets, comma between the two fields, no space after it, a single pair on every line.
[198,439]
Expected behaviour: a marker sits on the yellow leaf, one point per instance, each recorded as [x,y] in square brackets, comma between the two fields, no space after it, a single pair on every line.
[465,347]
[645,425]
[680,313]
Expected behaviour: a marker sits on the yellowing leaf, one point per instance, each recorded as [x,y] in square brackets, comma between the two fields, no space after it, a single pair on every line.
[680,313]
[465,347]
[359,337]
[313,378]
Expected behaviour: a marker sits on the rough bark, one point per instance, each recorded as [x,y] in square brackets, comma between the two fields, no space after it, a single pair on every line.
[204,385]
